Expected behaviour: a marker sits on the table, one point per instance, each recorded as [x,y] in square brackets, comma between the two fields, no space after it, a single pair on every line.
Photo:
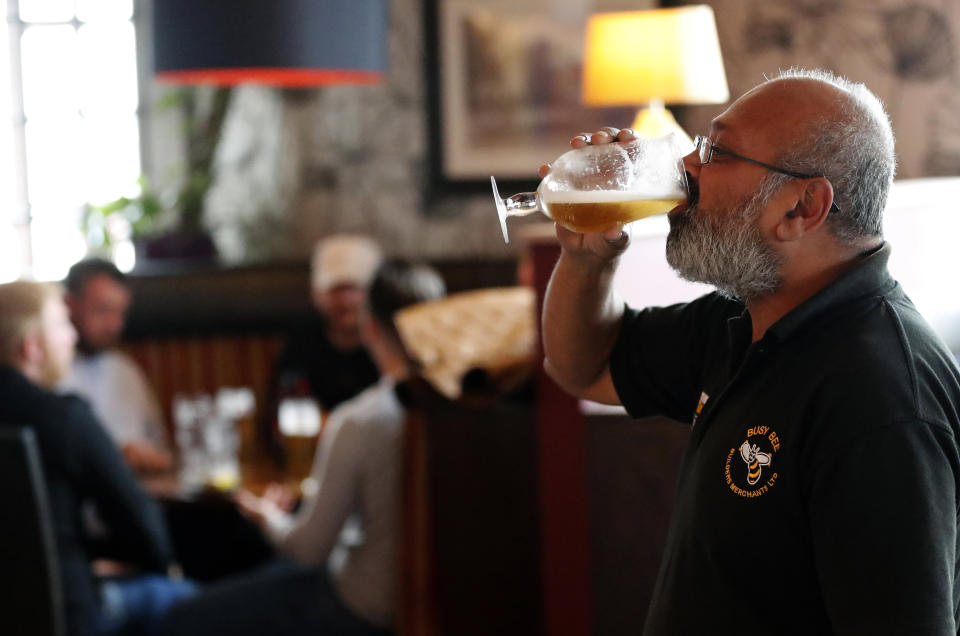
[211,539]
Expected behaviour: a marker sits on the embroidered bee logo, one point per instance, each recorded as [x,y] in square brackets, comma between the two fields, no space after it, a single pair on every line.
[755,460]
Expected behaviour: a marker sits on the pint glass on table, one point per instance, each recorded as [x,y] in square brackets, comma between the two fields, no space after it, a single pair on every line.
[300,421]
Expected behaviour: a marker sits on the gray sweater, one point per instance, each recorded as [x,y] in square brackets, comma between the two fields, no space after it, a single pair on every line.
[352,520]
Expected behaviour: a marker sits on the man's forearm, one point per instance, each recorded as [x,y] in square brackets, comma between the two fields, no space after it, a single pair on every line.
[581,319]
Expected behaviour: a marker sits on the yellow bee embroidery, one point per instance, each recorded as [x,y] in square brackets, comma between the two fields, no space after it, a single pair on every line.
[755,460]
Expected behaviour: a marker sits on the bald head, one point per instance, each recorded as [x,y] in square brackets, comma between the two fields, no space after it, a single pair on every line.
[821,124]
[787,111]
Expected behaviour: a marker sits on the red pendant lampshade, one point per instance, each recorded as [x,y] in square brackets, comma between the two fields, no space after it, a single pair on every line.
[289,43]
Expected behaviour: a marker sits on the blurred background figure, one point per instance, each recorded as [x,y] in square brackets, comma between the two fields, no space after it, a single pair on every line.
[81,466]
[98,298]
[344,537]
[325,358]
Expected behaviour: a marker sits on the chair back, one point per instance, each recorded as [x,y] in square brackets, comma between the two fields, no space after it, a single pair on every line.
[32,599]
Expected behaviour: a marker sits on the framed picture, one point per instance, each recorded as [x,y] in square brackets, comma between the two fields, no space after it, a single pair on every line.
[503,84]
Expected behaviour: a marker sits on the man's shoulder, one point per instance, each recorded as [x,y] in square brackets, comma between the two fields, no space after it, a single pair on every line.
[713,308]
[103,364]
[120,360]
[701,324]
[121,370]
[21,399]
[308,331]
[377,406]
[66,419]
[884,334]
[892,363]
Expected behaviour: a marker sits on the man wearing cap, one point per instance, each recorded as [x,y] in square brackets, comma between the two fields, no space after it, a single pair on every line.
[342,542]
[325,358]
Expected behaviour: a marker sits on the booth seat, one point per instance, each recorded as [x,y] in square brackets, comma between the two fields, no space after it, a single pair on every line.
[198,327]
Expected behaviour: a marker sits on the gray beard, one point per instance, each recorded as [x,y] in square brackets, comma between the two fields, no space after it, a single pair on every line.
[726,251]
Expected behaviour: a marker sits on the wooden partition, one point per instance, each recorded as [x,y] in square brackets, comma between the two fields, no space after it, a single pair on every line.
[472,562]
[205,363]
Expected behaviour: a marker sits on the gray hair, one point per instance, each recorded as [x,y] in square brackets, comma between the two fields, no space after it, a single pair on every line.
[853,148]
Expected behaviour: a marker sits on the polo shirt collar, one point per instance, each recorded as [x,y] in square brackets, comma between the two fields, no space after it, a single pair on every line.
[869,277]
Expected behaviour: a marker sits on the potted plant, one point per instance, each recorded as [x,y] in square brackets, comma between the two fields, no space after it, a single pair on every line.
[162,226]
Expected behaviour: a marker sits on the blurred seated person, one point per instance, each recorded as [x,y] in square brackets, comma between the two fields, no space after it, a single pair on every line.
[81,466]
[98,298]
[344,537]
[325,357]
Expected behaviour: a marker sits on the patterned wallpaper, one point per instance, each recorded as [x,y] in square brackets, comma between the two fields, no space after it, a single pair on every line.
[908,53]
[294,167]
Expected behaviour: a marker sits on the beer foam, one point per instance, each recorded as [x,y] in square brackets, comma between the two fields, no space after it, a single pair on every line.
[610,196]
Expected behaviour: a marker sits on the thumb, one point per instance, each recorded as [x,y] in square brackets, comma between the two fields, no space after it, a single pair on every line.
[617,237]
[610,243]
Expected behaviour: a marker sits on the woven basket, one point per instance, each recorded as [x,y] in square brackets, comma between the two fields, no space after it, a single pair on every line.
[489,329]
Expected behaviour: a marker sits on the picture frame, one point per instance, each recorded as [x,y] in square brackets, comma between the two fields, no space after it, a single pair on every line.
[503,90]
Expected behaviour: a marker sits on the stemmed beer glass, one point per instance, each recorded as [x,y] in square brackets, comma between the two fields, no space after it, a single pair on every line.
[593,188]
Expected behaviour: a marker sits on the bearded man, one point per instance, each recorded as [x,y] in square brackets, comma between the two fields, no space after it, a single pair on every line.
[99,296]
[82,467]
[819,490]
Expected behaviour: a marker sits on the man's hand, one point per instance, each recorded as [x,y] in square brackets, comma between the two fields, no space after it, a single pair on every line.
[277,501]
[608,245]
[146,458]
[256,509]
[581,312]
[282,496]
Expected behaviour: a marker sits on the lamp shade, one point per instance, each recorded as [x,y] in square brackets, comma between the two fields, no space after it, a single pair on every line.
[279,42]
[670,55]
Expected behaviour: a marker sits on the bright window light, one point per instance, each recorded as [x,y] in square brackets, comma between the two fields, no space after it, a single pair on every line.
[56,246]
[46,10]
[53,177]
[8,203]
[97,10]
[10,247]
[108,82]
[78,140]
[111,156]
[48,63]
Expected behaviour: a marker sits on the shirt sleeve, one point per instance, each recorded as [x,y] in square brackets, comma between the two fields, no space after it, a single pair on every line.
[149,408]
[886,557]
[133,519]
[658,359]
[314,531]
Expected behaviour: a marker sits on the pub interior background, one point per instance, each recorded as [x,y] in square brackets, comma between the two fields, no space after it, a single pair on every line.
[295,165]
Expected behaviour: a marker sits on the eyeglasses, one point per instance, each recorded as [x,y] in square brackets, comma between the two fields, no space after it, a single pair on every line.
[706,149]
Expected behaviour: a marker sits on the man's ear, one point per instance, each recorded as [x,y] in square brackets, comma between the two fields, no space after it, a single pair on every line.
[370,330]
[810,211]
[31,348]
[71,300]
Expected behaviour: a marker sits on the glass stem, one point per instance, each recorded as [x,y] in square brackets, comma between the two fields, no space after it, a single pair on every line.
[522,204]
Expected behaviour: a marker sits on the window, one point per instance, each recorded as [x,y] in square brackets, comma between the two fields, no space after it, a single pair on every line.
[70,70]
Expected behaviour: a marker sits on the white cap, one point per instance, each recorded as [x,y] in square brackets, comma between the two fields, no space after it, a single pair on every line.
[350,259]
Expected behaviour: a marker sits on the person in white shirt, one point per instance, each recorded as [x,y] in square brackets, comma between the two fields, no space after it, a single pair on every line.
[98,298]
[344,537]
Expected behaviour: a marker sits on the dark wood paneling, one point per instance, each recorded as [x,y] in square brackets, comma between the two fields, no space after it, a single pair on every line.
[198,299]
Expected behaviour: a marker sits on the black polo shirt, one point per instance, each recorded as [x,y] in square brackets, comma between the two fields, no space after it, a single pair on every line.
[819,490]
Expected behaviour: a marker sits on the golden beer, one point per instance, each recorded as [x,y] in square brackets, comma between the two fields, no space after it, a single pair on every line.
[587,212]
[300,422]
[299,451]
